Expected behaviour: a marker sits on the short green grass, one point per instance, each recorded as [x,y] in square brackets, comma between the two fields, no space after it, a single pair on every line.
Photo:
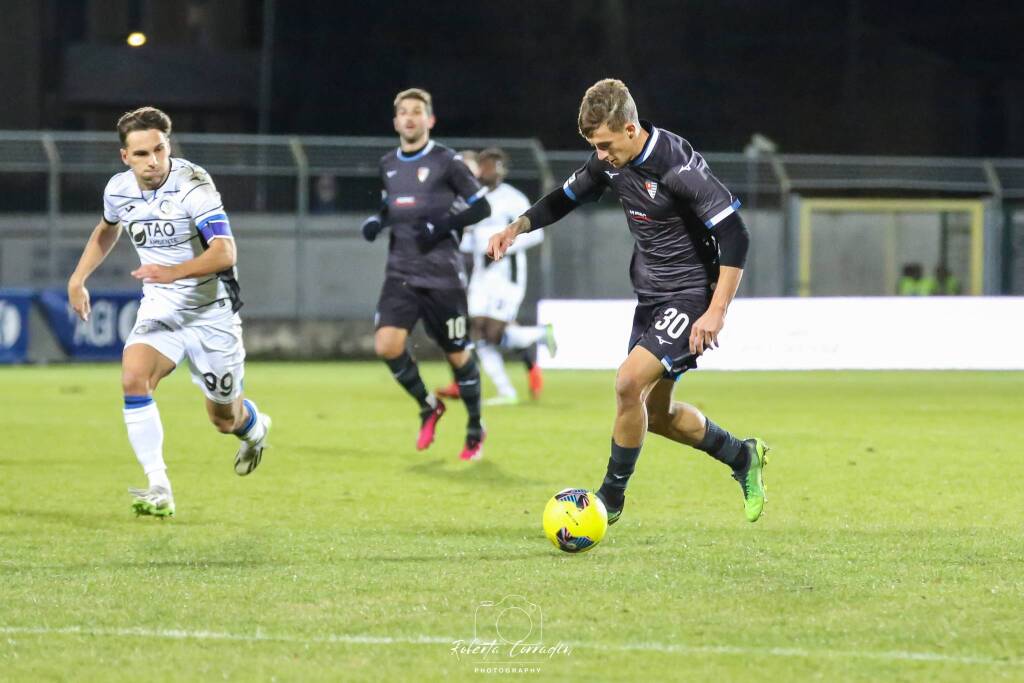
[891,546]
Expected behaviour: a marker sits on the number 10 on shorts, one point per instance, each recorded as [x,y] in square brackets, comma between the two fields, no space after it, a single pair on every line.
[456,327]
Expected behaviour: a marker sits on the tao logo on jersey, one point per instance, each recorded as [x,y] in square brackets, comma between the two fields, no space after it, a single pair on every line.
[145,231]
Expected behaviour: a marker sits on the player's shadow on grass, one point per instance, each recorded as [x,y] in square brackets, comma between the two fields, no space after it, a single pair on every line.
[497,556]
[339,451]
[75,519]
[485,472]
[199,565]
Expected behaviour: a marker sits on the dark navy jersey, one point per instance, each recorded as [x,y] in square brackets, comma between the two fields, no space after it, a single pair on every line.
[672,203]
[418,187]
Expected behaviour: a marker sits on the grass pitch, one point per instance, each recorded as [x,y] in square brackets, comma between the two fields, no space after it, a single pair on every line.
[890,548]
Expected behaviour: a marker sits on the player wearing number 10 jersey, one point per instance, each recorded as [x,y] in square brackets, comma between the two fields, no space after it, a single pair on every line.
[429,197]
[173,215]
[688,257]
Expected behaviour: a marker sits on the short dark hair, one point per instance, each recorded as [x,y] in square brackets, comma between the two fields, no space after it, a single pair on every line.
[143,118]
[493,154]
[416,94]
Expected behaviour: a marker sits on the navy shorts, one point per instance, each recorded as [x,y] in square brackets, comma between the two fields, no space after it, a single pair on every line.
[663,328]
[445,312]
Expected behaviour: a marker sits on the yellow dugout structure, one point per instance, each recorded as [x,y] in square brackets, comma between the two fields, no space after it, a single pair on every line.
[972,209]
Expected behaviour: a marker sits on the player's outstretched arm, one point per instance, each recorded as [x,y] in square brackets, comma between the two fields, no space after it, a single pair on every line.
[104,237]
[218,257]
[551,208]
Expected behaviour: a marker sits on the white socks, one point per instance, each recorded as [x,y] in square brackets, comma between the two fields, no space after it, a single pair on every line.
[254,429]
[494,365]
[146,435]
[517,337]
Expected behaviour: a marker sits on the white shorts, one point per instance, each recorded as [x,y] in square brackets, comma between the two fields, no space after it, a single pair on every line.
[494,296]
[213,347]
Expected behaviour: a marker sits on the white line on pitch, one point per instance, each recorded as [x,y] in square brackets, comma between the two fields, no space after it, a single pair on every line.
[668,648]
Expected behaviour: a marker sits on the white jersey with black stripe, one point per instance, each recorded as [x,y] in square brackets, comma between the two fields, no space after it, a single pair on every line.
[165,225]
[507,204]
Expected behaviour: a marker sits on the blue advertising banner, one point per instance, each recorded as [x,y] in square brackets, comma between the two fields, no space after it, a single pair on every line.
[15,305]
[103,336]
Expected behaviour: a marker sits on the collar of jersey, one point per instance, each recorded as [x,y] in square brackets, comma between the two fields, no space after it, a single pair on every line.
[652,140]
[156,189]
[418,155]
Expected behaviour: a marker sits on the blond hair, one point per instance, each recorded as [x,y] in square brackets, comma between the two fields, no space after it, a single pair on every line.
[606,102]
[416,94]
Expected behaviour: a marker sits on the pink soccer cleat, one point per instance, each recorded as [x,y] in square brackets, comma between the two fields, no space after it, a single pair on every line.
[428,425]
[450,391]
[474,448]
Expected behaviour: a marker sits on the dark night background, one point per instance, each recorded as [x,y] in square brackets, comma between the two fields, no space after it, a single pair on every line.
[849,76]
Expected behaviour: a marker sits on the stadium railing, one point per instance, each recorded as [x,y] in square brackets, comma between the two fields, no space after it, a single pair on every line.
[48,174]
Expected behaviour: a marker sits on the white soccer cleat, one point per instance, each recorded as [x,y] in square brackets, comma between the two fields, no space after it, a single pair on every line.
[249,455]
[156,501]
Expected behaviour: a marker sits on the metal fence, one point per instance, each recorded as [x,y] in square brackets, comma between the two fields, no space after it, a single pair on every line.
[291,182]
[56,154]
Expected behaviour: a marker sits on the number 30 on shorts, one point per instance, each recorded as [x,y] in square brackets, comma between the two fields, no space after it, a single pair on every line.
[456,327]
[673,322]
[223,386]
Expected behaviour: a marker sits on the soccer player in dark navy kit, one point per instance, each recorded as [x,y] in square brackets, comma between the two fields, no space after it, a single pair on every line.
[429,196]
[688,257]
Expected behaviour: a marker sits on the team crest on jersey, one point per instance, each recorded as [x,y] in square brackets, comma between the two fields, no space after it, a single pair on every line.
[651,187]
[166,209]
[422,172]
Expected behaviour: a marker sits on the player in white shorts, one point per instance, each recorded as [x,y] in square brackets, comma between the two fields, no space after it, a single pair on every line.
[496,289]
[173,214]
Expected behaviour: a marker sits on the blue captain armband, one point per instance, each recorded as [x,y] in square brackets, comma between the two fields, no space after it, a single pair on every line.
[214,226]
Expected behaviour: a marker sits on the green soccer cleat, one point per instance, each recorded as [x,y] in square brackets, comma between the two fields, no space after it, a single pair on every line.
[751,478]
[549,340]
[505,400]
[156,501]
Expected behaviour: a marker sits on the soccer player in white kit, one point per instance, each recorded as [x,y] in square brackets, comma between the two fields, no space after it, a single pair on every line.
[496,289]
[174,216]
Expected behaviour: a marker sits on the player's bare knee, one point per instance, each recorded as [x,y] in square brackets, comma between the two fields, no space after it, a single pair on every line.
[628,388]
[135,383]
[387,349]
